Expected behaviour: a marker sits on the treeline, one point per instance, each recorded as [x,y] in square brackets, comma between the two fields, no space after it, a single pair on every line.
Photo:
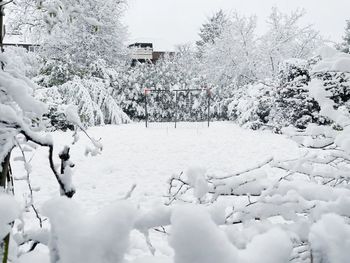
[257,80]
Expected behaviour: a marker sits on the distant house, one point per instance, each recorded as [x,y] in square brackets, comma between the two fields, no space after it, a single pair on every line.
[144,53]
[19,41]
[141,52]
[159,54]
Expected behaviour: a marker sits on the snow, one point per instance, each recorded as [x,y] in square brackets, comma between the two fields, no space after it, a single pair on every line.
[92,21]
[196,178]
[19,89]
[274,240]
[330,239]
[132,155]
[149,157]
[206,243]
[333,60]
[34,257]
[326,52]
[103,237]
[158,216]
[9,211]
[72,116]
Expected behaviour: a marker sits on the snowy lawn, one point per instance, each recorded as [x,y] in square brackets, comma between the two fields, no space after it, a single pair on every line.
[133,154]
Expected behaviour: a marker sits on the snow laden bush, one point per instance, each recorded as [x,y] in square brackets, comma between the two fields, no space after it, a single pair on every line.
[92,96]
[292,104]
[334,74]
[285,100]
[252,108]
[28,63]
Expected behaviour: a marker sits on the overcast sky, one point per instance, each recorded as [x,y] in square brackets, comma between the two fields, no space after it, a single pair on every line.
[170,22]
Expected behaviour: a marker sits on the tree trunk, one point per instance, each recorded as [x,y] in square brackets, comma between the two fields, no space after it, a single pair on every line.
[4,180]
[5,171]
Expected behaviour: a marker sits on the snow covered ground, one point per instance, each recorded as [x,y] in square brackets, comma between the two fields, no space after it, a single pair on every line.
[148,157]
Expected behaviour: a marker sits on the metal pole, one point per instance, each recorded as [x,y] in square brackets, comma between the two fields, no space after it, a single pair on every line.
[146,112]
[175,108]
[208,93]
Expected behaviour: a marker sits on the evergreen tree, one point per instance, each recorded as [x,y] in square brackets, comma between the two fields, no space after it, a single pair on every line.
[212,29]
[345,45]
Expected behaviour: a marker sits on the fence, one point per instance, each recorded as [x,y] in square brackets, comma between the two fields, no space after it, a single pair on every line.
[176,93]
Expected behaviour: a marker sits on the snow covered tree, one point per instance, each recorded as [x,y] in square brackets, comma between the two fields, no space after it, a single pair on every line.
[20,115]
[82,44]
[93,32]
[25,18]
[21,125]
[239,55]
[72,31]
[286,39]
[211,30]
[345,45]
[232,58]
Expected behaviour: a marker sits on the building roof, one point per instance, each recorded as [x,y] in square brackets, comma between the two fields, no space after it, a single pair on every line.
[141,45]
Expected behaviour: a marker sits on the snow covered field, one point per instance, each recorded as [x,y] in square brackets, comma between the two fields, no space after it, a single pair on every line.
[133,154]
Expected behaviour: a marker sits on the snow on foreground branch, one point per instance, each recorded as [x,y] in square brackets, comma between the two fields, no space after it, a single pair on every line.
[105,236]
[18,109]
[20,125]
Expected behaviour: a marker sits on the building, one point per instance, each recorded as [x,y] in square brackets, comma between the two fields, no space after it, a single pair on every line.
[144,53]
[141,52]
[19,41]
[156,55]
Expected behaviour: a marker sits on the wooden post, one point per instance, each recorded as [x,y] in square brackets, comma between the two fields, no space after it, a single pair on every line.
[4,180]
[4,175]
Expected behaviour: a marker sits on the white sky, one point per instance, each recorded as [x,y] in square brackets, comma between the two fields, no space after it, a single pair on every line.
[170,22]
